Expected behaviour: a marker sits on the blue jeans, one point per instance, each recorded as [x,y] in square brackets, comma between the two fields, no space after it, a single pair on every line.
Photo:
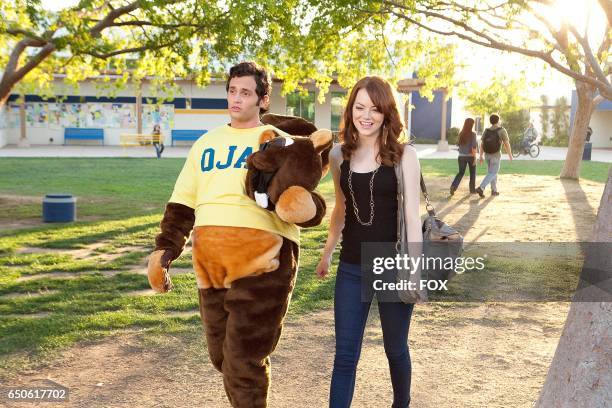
[350,315]
[465,161]
[493,164]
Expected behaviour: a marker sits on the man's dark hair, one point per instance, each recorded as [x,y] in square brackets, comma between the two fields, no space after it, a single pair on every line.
[258,73]
[494,119]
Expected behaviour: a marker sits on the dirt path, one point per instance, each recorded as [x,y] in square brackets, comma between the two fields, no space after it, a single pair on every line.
[529,208]
[468,355]
[484,355]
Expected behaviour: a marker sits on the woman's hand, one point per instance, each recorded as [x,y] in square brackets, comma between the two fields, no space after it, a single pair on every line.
[322,269]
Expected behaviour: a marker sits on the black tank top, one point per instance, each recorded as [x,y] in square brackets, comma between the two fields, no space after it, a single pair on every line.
[384,224]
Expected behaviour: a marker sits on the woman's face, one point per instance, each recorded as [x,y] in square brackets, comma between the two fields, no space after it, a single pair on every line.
[366,117]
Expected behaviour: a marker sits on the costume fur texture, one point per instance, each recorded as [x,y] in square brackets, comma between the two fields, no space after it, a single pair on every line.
[245,276]
[223,254]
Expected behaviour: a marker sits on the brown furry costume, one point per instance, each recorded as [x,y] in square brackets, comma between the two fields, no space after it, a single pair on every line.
[245,276]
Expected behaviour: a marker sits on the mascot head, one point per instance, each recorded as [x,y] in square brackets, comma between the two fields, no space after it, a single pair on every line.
[285,170]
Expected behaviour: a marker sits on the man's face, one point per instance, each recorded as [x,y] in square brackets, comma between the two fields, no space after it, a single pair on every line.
[242,99]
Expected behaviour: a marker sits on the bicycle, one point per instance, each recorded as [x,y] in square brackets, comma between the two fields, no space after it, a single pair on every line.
[533,150]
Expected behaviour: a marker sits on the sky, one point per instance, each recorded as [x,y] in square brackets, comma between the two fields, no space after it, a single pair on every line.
[55,5]
[478,60]
[482,64]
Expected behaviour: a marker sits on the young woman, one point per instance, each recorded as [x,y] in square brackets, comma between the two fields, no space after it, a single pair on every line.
[158,140]
[366,208]
[468,149]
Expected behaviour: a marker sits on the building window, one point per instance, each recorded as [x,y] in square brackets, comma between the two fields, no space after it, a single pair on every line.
[301,105]
[337,108]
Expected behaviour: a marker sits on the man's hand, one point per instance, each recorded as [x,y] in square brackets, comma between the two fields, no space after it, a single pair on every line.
[157,272]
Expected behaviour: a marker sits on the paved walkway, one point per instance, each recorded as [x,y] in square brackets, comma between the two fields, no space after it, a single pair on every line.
[89,151]
[425,151]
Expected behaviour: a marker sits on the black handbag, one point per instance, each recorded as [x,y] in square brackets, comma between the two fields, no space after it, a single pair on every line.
[440,240]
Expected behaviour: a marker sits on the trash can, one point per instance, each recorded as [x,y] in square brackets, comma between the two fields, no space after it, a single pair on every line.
[59,208]
[586,154]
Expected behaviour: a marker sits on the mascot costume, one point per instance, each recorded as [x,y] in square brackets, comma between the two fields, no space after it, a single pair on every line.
[245,239]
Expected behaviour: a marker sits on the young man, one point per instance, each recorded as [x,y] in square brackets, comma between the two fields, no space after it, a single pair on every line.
[529,136]
[242,322]
[490,146]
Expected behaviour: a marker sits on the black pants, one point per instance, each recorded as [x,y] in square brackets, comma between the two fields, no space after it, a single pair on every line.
[159,149]
[463,162]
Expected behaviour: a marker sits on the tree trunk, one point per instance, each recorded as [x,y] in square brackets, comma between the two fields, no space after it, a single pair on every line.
[585,107]
[3,101]
[5,91]
[580,374]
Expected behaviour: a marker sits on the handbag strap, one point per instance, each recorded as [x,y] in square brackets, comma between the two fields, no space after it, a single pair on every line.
[400,178]
[428,206]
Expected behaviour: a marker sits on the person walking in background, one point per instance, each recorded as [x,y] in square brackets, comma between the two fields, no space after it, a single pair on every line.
[468,149]
[158,142]
[589,134]
[490,147]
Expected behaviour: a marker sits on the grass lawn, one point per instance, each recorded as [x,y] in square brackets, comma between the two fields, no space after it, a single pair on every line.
[120,204]
[595,171]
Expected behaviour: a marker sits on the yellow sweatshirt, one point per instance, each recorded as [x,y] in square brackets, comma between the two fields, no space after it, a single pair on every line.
[212,182]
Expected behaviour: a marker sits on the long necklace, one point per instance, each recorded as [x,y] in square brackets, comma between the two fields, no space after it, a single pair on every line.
[355,209]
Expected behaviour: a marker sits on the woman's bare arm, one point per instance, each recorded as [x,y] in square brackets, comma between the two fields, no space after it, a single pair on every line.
[336,223]
[412,201]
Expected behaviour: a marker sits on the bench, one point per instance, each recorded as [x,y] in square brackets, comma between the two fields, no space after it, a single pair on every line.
[83,134]
[184,135]
[136,139]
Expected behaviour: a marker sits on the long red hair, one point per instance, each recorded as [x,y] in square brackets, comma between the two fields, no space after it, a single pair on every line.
[466,132]
[391,144]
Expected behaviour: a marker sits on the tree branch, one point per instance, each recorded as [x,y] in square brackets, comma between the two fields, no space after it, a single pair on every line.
[127,50]
[490,24]
[108,20]
[27,34]
[606,5]
[12,74]
[490,42]
[461,7]
[435,31]
[143,23]
[560,36]
[32,63]
[605,44]
[592,61]
[11,65]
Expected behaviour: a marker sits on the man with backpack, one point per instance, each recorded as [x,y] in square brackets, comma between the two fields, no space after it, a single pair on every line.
[490,144]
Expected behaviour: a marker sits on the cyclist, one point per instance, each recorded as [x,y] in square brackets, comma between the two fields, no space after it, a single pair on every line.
[530,136]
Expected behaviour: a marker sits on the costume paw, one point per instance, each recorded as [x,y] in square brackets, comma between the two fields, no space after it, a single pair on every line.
[295,205]
[157,272]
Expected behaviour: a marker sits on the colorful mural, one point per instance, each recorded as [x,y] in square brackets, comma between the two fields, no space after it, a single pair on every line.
[86,115]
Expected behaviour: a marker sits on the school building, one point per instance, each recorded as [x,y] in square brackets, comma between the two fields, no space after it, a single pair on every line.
[601,122]
[83,116]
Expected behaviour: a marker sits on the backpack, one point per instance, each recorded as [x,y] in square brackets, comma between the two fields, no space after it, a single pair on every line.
[491,141]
